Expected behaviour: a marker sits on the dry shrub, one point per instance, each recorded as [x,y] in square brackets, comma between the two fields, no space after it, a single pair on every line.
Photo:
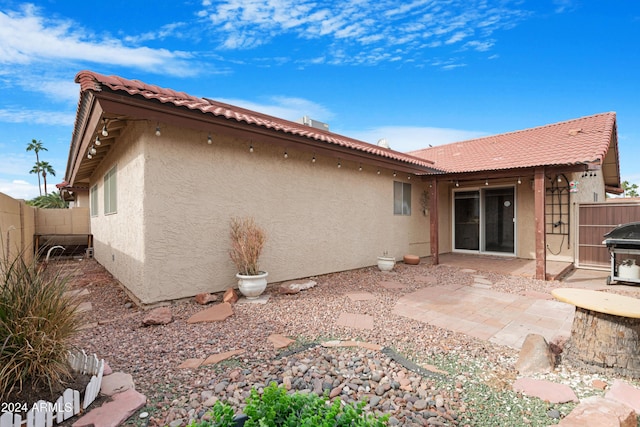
[37,322]
[247,241]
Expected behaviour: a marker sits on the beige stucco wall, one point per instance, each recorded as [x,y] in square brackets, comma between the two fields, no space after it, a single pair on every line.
[17,227]
[318,218]
[176,196]
[63,221]
[118,238]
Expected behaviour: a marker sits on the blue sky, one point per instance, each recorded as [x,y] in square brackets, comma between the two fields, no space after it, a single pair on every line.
[415,72]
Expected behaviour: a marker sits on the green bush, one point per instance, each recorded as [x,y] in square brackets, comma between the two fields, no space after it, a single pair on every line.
[37,321]
[275,408]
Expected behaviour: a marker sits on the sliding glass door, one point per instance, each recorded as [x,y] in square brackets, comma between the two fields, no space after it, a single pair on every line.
[484,220]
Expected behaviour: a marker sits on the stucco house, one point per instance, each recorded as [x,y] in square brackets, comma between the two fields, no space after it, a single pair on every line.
[166,171]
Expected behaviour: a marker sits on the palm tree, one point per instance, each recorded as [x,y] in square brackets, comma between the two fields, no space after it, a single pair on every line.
[46,168]
[36,146]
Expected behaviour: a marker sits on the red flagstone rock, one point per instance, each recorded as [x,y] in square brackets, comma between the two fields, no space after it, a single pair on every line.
[535,356]
[205,298]
[190,364]
[116,383]
[115,412]
[361,296]
[280,341]
[357,321]
[598,384]
[625,393]
[230,296]
[545,390]
[596,411]
[434,369]
[392,285]
[215,313]
[106,370]
[215,358]
[158,316]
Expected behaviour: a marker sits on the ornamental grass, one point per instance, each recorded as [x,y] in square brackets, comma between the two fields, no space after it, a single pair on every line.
[37,322]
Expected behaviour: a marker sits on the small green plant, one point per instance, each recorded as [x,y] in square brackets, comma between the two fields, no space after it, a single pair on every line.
[37,322]
[277,408]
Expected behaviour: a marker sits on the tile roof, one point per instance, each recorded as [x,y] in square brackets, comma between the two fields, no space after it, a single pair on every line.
[91,81]
[571,142]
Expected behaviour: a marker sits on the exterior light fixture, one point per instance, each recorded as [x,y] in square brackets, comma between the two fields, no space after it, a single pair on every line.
[339,165]
[378,171]
[457,184]
[89,156]
[394,174]
[93,150]
[559,179]
[98,142]
[313,159]
[409,177]
[209,140]
[519,180]
[286,156]
[486,181]
[360,168]
[158,133]
[251,148]
[105,132]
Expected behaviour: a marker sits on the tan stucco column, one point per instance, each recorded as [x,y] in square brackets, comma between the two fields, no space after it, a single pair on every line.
[541,235]
[433,221]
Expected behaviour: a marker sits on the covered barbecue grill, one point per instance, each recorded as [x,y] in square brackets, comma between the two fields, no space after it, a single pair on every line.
[623,243]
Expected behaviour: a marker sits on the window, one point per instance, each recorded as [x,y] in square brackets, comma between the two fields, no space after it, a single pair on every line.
[94,200]
[401,198]
[110,190]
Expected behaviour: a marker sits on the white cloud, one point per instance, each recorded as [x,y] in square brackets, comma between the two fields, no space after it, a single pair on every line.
[409,138]
[43,40]
[19,189]
[40,117]
[288,108]
[350,29]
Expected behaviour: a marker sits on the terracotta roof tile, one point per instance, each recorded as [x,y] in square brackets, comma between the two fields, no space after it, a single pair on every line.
[571,142]
[91,81]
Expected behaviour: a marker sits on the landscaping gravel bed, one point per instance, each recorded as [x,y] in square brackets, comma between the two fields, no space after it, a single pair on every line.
[425,376]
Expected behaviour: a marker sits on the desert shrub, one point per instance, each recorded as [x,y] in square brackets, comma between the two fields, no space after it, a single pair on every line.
[37,322]
[247,241]
[275,408]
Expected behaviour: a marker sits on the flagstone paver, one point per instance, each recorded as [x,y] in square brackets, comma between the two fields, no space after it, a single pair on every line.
[114,412]
[215,313]
[190,364]
[280,341]
[357,321]
[392,285]
[361,296]
[486,314]
[216,358]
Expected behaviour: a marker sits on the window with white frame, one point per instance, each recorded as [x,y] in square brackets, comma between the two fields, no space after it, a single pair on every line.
[110,192]
[401,198]
[94,200]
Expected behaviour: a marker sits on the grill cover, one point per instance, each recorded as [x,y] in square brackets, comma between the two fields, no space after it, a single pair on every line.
[625,234]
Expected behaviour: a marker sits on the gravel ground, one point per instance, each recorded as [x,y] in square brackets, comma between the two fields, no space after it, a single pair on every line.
[473,386]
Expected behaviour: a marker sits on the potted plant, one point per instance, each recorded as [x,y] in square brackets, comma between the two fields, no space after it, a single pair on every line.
[385,262]
[247,241]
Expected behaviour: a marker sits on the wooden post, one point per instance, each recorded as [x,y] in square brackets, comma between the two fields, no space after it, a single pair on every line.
[541,235]
[433,221]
